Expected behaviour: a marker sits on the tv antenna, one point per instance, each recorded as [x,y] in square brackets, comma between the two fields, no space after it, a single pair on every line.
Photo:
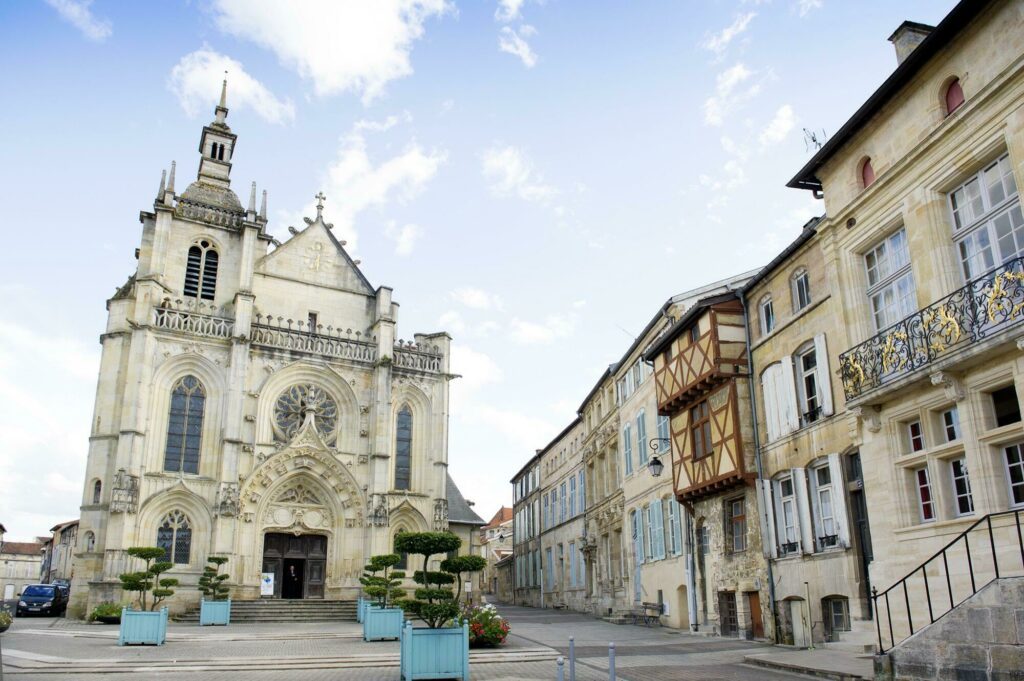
[811,139]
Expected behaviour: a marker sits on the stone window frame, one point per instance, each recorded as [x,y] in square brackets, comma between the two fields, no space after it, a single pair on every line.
[883,278]
[971,224]
[800,282]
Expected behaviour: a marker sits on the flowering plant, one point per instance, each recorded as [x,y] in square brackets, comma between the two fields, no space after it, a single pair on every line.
[487,629]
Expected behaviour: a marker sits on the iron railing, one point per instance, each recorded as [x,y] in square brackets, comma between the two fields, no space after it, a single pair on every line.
[963,569]
[990,303]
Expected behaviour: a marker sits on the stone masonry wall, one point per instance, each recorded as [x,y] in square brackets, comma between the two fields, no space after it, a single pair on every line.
[980,640]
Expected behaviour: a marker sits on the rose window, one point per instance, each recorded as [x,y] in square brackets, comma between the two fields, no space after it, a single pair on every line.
[299,400]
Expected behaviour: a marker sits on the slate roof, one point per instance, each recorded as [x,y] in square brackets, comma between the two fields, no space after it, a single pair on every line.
[459,510]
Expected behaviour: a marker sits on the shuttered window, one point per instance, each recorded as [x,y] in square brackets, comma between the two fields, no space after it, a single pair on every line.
[201,271]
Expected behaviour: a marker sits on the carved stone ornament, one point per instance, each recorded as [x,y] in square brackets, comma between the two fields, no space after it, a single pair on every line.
[296,405]
[440,515]
[377,510]
[362,458]
[227,504]
[952,385]
[869,417]
[124,495]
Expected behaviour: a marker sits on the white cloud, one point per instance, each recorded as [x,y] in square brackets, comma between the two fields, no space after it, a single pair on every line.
[405,237]
[196,82]
[804,7]
[477,369]
[779,127]
[509,10]
[526,432]
[357,183]
[453,321]
[728,93]
[718,42]
[77,13]
[356,47]
[476,298]
[510,173]
[537,333]
[514,42]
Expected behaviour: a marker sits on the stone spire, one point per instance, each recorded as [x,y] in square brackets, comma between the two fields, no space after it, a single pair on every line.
[170,178]
[263,206]
[252,200]
[163,183]
[217,146]
[222,108]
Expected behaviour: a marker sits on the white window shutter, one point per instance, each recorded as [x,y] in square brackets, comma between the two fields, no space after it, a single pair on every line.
[787,396]
[772,419]
[767,517]
[803,510]
[824,377]
[842,521]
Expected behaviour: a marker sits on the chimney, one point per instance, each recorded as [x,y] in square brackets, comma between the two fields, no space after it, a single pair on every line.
[907,37]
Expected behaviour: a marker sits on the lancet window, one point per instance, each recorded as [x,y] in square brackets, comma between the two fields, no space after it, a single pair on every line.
[185,426]
[174,536]
[403,448]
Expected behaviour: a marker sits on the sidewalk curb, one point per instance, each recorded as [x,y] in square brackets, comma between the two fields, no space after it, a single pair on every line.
[767,663]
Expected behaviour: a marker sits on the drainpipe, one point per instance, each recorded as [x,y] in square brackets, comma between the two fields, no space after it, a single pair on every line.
[757,458]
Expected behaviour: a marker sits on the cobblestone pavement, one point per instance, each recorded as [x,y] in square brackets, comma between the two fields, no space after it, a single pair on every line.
[45,649]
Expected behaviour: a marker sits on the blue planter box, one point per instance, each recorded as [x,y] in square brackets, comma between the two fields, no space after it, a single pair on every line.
[214,612]
[382,623]
[435,653]
[142,627]
[360,603]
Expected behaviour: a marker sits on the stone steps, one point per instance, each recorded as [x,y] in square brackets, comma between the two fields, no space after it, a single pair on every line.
[283,611]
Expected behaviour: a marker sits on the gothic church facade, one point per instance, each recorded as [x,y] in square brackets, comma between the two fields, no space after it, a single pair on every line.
[254,401]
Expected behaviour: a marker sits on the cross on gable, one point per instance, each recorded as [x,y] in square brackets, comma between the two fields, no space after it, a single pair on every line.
[319,204]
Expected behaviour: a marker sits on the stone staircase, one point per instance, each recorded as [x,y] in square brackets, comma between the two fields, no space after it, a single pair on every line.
[279,610]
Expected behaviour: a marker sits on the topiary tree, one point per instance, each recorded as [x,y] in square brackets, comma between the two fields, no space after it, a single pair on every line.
[211,584]
[148,580]
[458,565]
[383,589]
[433,603]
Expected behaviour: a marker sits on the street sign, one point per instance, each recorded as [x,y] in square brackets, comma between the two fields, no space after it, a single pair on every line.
[267,584]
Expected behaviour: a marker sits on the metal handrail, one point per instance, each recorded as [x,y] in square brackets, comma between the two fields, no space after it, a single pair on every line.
[923,569]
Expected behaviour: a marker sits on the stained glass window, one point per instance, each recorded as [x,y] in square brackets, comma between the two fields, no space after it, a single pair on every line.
[293,405]
[403,448]
[185,426]
[174,536]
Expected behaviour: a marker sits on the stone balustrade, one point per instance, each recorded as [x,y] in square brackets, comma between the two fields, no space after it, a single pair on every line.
[288,334]
[192,317]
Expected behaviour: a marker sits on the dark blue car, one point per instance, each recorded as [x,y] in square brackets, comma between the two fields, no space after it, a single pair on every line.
[42,599]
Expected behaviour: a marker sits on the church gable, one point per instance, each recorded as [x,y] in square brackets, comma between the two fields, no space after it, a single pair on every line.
[315,256]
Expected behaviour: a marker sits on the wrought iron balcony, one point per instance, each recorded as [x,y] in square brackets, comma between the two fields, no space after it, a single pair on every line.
[983,307]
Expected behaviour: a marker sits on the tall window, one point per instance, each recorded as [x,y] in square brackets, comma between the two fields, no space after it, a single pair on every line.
[583,495]
[546,514]
[787,516]
[954,96]
[1006,406]
[185,426]
[915,435]
[700,430]
[403,448]
[561,508]
[736,515]
[201,271]
[572,564]
[964,501]
[825,507]
[97,492]
[663,434]
[890,280]
[641,437]
[638,537]
[627,447]
[572,496]
[807,386]
[657,530]
[1015,473]
[767,313]
[801,289]
[987,222]
[926,505]
[174,536]
[951,424]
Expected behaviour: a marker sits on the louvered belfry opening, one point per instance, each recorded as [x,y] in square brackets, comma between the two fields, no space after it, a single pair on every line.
[201,271]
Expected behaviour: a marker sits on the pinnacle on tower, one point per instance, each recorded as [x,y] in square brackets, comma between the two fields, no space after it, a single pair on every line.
[222,108]
[163,181]
[252,200]
[263,206]
[170,179]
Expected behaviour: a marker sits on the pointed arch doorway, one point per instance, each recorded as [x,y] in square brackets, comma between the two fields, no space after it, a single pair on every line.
[298,563]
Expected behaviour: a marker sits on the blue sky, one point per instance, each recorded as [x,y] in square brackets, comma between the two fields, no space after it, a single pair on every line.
[536,177]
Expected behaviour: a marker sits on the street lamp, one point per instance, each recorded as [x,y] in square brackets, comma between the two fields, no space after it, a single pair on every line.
[655,465]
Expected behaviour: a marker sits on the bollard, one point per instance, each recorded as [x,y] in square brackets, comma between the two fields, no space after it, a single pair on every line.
[611,661]
[561,668]
[572,658]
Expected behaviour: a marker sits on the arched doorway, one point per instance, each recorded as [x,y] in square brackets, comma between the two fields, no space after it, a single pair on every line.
[298,563]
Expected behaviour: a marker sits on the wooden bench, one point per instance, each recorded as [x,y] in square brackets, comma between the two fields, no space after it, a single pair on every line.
[647,613]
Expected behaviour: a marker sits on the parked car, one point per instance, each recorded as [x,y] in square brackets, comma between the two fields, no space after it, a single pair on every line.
[42,599]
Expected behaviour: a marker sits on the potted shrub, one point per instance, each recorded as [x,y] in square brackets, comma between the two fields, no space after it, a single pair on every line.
[216,610]
[381,619]
[146,625]
[487,629]
[459,565]
[106,612]
[5,621]
[437,651]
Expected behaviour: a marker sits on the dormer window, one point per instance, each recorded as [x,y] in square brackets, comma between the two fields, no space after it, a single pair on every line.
[867,173]
[954,96]
[201,271]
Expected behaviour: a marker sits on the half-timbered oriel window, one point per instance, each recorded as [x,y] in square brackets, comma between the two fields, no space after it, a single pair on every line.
[185,426]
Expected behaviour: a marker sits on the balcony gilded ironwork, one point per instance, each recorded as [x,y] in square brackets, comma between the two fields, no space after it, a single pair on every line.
[985,306]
